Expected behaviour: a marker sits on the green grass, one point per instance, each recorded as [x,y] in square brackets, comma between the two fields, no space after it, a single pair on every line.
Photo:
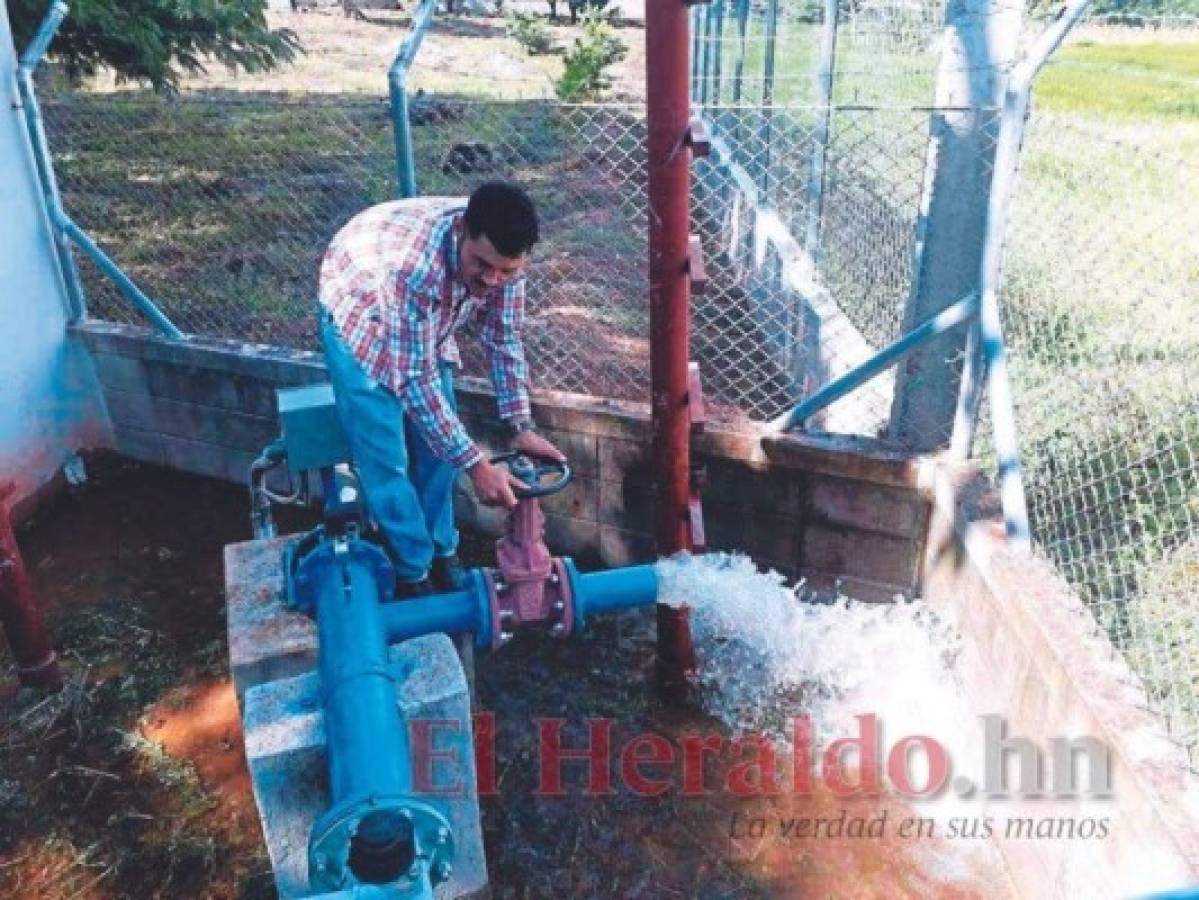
[1144,82]
[1099,306]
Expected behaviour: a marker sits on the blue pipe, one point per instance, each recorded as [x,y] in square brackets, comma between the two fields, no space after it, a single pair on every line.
[361,715]
[611,591]
[458,612]
[45,34]
[398,92]
[948,318]
[131,291]
[41,150]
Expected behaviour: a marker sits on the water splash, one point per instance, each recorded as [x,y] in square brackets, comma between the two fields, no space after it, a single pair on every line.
[768,652]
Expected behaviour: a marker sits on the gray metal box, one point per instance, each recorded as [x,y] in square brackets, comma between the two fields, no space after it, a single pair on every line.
[311,429]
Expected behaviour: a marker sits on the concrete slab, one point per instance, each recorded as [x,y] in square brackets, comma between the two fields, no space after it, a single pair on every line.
[273,660]
[266,640]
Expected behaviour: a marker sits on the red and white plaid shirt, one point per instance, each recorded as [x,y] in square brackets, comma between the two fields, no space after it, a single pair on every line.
[389,281]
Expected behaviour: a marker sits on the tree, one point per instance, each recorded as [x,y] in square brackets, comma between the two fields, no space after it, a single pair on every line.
[157,41]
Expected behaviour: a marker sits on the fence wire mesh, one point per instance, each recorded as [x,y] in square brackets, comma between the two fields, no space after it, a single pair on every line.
[1100,313]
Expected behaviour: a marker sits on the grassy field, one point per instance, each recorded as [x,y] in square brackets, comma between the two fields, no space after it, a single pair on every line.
[1126,82]
[1100,312]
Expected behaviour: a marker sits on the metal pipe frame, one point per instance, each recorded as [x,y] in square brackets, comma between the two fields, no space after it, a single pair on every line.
[397,89]
[949,318]
[124,283]
[62,227]
[820,135]
[30,60]
[986,354]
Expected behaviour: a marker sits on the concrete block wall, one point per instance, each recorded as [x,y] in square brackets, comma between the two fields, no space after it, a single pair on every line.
[827,509]
[1032,653]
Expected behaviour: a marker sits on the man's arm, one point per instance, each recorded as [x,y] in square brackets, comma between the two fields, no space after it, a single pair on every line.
[502,335]
[417,384]
[503,338]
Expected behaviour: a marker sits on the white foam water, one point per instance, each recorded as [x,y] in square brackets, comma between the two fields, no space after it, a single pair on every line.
[767,653]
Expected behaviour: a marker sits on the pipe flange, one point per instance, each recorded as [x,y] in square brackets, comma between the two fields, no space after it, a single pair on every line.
[299,558]
[564,605]
[332,836]
[500,634]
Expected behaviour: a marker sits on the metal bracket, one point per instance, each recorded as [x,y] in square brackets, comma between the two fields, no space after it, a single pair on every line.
[698,138]
[695,265]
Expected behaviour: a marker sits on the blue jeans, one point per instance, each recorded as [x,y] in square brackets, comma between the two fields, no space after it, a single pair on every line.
[409,491]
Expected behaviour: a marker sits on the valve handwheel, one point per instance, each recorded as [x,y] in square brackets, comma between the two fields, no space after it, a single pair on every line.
[532,471]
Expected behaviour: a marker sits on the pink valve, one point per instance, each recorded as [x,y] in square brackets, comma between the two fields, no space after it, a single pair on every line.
[530,586]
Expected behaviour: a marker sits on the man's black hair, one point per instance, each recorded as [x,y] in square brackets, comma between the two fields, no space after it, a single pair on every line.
[504,213]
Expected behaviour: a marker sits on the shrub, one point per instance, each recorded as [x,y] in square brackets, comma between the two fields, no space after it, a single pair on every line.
[529,31]
[585,76]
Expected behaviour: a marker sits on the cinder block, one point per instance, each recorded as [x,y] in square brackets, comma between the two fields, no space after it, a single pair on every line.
[626,505]
[266,640]
[769,539]
[241,393]
[131,409]
[844,551]
[618,456]
[137,444]
[207,459]
[285,748]
[120,373]
[567,536]
[861,459]
[777,492]
[578,500]
[619,547]
[868,507]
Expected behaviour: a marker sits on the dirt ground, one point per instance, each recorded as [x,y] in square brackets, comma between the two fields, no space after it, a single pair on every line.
[132,782]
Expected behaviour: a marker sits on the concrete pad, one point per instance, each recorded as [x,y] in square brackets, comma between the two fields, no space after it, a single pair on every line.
[267,641]
[273,660]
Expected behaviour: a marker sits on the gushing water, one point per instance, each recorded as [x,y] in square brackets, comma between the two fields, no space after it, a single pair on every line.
[767,653]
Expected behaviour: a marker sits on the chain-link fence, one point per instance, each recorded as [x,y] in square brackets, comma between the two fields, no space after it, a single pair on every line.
[1100,308]
[810,209]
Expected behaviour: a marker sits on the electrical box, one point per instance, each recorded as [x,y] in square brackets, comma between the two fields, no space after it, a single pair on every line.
[311,429]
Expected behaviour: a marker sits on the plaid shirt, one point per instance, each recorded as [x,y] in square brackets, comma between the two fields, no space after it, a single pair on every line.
[389,281]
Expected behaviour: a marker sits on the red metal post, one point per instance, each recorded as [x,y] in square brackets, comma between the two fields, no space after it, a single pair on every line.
[668,114]
[37,664]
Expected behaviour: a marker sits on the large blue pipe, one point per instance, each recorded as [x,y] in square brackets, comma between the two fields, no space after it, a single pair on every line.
[359,691]
[614,590]
[457,612]
[468,611]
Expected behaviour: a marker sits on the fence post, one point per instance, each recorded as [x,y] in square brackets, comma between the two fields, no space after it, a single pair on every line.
[820,135]
[397,89]
[981,40]
[739,67]
[718,51]
[772,21]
